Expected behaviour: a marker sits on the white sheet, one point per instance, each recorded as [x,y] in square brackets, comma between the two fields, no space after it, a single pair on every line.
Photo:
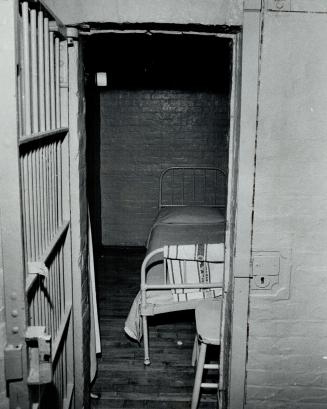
[189,215]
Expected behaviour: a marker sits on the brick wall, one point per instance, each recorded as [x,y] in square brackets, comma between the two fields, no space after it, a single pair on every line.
[142,133]
[287,352]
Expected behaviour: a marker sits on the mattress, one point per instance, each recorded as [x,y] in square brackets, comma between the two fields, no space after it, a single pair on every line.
[175,225]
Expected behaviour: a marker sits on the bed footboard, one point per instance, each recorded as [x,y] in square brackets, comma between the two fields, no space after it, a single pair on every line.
[192,186]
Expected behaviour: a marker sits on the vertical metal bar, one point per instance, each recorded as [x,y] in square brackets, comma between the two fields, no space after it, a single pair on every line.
[47,74]
[57,75]
[34,206]
[205,186]
[57,295]
[63,83]
[26,56]
[30,205]
[52,82]
[173,187]
[41,198]
[41,72]
[193,185]
[52,194]
[55,164]
[49,147]
[26,210]
[183,182]
[34,77]
[216,187]
[51,309]
[23,192]
[59,178]
[47,201]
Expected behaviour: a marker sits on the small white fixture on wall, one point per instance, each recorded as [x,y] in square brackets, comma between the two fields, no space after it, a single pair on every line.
[101,79]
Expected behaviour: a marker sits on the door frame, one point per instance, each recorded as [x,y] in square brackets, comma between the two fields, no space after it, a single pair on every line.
[244,199]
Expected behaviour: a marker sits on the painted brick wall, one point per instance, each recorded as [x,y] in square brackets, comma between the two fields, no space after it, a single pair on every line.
[287,356]
[142,133]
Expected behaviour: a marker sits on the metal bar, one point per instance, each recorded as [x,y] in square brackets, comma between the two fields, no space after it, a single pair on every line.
[31,205]
[52,82]
[51,198]
[218,284]
[69,396]
[47,74]
[193,185]
[26,57]
[61,330]
[44,136]
[42,205]
[168,32]
[205,186]
[48,252]
[34,76]
[60,181]
[57,80]
[12,248]
[23,202]
[183,190]
[41,72]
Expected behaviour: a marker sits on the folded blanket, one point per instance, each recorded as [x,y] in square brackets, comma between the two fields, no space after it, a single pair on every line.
[193,264]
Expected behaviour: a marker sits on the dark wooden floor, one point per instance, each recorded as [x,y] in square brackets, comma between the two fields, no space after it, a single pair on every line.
[122,379]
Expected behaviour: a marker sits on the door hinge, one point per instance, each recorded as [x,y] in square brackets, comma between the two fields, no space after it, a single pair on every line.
[13,362]
[39,352]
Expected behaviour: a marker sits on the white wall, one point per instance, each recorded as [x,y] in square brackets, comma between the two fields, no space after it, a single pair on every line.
[154,11]
[287,360]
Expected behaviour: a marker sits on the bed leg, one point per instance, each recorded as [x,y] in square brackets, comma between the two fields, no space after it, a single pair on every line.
[146,341]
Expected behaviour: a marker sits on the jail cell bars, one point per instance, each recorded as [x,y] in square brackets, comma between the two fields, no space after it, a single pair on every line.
[41,181]
[44,173]
[40,72]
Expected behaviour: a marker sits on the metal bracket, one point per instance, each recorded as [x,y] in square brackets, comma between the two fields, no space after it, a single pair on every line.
[39,349]
[13,362]
[271,273]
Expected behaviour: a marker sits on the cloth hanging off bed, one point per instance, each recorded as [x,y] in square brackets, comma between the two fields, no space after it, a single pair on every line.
[191,264]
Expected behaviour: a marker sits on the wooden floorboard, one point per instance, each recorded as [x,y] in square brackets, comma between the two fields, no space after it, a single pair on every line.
[122,379]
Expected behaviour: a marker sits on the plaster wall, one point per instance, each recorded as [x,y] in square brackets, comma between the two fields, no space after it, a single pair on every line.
[219,12]
[287,350]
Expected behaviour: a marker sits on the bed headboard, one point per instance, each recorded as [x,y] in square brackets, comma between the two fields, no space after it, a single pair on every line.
[192,186]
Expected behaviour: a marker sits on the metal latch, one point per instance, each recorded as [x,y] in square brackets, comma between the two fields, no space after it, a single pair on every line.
[39,351]
[265,270]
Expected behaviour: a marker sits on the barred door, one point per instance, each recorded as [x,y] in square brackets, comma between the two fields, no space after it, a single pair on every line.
[35,207]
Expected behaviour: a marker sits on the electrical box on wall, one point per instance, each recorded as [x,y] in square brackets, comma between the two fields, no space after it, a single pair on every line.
[271,271]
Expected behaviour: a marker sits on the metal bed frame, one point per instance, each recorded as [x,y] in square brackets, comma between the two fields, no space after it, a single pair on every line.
[192,186]
[187,186]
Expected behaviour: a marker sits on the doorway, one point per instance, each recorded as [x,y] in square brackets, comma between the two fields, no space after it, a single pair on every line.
[168,99]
